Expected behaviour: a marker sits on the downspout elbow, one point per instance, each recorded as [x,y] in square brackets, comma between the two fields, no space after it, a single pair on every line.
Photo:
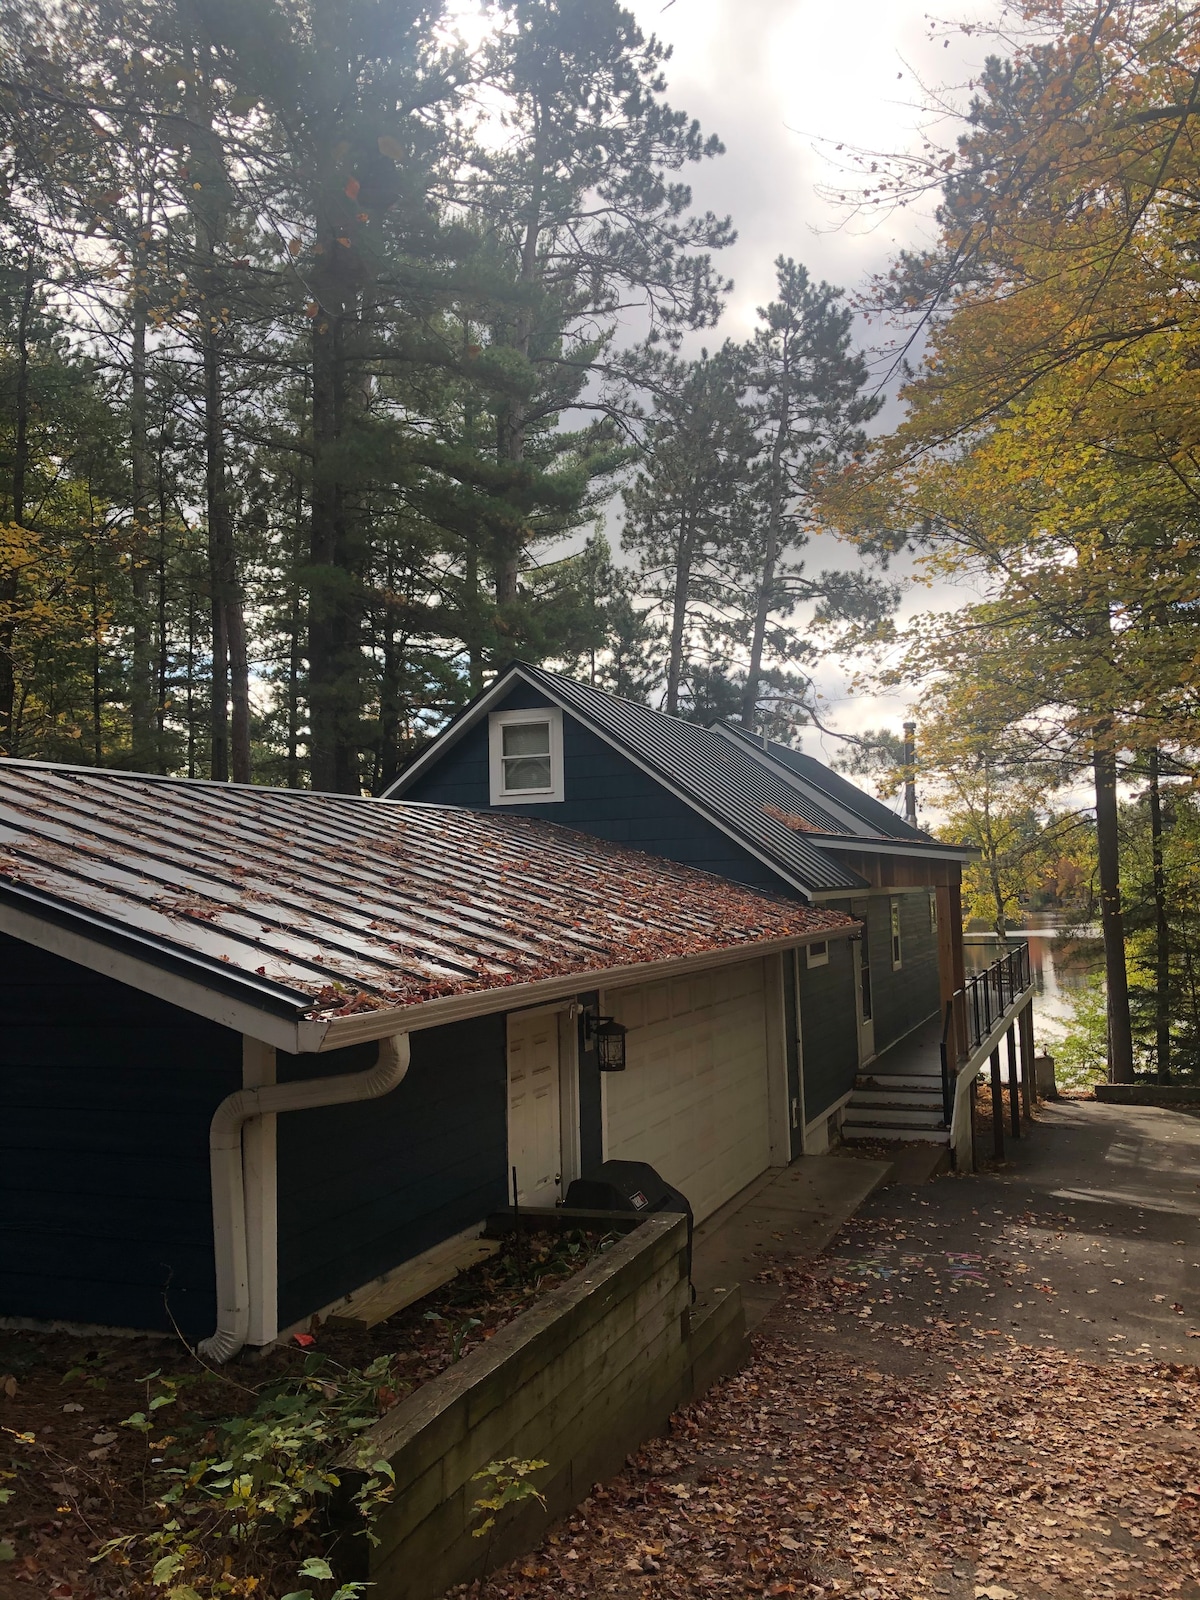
[228,1182]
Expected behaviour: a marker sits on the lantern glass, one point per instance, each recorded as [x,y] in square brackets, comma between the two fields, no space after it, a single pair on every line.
[610,1045]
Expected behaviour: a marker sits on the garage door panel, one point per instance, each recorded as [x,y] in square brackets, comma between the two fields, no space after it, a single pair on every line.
[693,1100]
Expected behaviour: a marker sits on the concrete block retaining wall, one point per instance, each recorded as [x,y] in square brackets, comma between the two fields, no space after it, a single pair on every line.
[1149,1094]
[579,1380]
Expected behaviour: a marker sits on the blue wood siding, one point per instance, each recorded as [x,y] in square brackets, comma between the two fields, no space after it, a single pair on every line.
[606,795]
[364,1187]
[828,1027]
[906,997]
[107,1094]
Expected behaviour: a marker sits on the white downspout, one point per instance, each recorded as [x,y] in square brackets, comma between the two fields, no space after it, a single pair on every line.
[228,1186]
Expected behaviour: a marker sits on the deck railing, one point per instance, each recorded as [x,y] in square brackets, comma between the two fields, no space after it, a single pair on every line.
[973,1011]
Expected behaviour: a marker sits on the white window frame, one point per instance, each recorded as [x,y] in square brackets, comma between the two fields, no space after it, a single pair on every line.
[817,955]
[896,934]
[499,720]
[933,911]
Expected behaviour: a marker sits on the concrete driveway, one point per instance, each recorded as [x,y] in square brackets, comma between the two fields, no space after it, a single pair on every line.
[1088,1236]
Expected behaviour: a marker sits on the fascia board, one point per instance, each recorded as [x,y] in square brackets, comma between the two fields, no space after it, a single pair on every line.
[463,723]
[934,851]
[157,973]
[470,717]
[308,1035]
[368,1025]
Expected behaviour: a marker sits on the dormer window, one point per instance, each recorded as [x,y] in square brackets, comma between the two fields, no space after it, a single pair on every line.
[526,756]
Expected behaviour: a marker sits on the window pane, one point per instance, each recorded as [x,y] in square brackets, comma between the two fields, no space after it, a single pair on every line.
[526,772]
[527,739]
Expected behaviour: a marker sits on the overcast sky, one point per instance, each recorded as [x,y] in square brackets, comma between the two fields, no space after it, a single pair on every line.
[782,82]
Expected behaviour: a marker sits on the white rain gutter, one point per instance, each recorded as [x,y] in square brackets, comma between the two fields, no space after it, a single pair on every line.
[228,1184]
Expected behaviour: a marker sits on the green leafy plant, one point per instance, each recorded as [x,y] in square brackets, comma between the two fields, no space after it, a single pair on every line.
[510,1486]
[271,1471]
[315,1567]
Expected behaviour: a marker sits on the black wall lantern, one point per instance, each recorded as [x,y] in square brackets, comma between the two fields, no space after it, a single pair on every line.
[607,1035]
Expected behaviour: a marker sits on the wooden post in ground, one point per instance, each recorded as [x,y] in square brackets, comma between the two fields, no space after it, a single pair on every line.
[1014,1091]
[1027,1051]
[1028,1089]
[997,1108]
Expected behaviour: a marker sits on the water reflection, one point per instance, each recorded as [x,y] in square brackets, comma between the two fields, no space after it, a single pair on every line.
[1061,963]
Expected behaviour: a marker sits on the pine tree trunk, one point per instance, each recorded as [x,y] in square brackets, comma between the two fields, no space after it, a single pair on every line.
[510,441]
[334,657]
[8,580]
[295,649]
[231,675]
[1112,922]
[145,755]
[683,583]
[766,586]
[1162,932]
[231,672]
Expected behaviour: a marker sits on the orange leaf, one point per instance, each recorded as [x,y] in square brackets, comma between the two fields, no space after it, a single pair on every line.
[352,188]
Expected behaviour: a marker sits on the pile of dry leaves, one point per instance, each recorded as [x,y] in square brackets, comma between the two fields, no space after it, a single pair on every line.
[932,1466]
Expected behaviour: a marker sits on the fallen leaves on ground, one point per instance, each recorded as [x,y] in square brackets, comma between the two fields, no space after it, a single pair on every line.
[912,1463]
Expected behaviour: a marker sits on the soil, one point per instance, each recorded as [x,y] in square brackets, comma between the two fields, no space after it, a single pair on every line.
[76,1478]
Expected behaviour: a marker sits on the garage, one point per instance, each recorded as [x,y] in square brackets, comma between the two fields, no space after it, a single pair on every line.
[693,1100]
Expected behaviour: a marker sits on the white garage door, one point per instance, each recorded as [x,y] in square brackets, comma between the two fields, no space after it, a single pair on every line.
[693,1097]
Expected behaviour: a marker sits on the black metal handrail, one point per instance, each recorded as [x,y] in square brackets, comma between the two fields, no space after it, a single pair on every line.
[981,1002]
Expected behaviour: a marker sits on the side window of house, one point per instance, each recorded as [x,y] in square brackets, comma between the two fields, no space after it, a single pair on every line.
[818,954]
[525,756]
[933,911]
[897,947]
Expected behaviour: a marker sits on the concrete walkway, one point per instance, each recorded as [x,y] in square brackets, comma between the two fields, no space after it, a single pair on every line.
[1087,1236]
[787,1215]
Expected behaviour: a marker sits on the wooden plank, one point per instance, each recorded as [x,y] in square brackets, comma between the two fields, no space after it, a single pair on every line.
[380,1300]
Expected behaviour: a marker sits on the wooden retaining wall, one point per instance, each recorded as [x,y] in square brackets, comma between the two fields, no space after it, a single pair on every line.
[579,1380]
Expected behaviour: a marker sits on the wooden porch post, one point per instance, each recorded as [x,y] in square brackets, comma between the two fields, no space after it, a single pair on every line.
[997,1108]
[951,965]
[1014,1092]
[1027,1050]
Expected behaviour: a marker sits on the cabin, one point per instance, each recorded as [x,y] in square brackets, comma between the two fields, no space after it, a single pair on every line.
[539,744]
[264,1049]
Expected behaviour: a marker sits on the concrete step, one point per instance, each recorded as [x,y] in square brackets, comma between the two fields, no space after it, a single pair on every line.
[898,1116]
[885,1132]
[899,1080]
[898,1097]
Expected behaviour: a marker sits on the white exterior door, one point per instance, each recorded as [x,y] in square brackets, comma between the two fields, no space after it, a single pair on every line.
[693,1099]
[534,1114]
[863,1002]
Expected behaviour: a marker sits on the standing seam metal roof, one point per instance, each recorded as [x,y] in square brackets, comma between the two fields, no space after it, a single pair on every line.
[873,813]
[716,774]
[345,904]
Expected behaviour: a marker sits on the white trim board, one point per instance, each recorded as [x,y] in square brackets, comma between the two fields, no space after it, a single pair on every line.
[525,715]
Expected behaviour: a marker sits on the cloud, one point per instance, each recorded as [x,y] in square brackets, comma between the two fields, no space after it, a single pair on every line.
[783,82]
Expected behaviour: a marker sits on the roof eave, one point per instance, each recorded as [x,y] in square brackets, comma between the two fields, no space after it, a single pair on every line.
[470,715]
[283,1019]
[853,844]
[456,728]
[367,1025]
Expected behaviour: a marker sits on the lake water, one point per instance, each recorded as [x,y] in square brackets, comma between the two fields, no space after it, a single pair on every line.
[1061,963]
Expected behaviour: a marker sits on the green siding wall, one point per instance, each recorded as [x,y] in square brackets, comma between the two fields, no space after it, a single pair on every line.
[828,1027]
[364,1187]
[606,796]
[908,996]
[107,1094]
